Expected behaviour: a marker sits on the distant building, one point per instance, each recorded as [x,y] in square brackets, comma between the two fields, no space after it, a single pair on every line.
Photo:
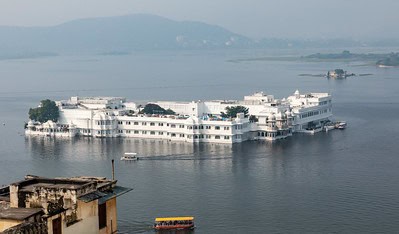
[60,206]
[195,121]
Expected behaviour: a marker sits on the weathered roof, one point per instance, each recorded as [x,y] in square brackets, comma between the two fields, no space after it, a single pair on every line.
[19,213]
[105,195]
[92,196]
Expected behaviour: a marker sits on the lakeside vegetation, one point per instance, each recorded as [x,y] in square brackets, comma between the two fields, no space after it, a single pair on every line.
[384,59]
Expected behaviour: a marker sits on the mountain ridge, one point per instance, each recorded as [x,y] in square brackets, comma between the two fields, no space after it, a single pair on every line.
[122,33]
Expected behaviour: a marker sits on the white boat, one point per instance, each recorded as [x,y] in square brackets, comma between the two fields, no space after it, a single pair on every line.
[129,157]
[312,130]
[340,125]
[329,127]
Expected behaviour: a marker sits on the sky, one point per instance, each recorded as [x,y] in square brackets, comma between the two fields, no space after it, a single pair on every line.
[356,19]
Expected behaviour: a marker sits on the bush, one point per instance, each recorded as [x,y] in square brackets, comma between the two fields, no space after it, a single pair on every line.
[151,108]
[231,112]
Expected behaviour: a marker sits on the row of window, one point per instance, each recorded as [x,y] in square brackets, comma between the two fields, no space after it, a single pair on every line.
[104,122]
[177,135]
[312,113]
[226,128]
[208,137]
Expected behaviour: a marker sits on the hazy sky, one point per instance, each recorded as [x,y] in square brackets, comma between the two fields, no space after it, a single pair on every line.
[254,18]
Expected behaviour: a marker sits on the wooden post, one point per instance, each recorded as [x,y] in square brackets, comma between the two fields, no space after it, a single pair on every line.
[113,169]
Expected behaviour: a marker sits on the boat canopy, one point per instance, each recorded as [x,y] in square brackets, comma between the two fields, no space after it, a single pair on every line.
[131,154]
[174,219]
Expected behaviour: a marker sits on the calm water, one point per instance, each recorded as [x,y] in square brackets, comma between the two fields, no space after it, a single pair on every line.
[341,181]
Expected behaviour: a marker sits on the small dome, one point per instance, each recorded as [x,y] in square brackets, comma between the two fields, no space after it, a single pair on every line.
[296,92]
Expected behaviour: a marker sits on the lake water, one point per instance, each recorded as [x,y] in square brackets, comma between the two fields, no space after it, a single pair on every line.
[341,181]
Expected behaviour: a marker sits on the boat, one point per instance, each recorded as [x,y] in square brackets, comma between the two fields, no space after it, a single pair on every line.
[340,125]
[312,130]
[129,157]
[174,223]
[329,126]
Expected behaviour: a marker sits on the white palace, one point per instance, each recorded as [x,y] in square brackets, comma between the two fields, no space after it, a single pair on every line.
[196,121]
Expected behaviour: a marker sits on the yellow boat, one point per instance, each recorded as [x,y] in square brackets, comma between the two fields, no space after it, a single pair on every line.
[170,223]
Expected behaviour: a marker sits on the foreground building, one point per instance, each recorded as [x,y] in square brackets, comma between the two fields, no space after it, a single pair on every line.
[196,121]
[60,205]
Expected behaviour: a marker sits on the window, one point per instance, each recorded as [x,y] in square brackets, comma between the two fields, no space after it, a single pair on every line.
[172,125]
[160,124]
[173,134]
[160,133]
[144,132]
[217,137]
[128,131]
[207,127]
[181,126]
[152,133]
[152,124]
[226,137]
[136,123]
[136,132]
[226,128]
[143,123]
[102,216]
[181,135]
[217,127]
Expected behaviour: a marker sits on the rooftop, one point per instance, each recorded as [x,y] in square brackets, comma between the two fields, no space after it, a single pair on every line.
[19,213]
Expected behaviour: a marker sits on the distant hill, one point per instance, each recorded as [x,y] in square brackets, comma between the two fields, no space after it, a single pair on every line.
[121,35]
[118,35]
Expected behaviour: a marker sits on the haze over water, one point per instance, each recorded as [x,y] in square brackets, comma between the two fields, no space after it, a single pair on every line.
[340,181]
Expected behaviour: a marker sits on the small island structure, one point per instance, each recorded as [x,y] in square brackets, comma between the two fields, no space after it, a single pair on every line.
[258,117]
[338,74]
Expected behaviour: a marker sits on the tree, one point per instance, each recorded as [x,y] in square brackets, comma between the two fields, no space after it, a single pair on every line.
[151,108]
[231,112]
[253,119]
[47,110]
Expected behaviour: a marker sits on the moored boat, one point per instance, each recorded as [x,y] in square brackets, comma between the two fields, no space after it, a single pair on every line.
[174,223]
[129,157]
[329,127]
[340,125]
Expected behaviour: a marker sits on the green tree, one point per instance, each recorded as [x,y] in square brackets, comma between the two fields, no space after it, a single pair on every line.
[253,119]
[231,112]
[152,108]
[47,110]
